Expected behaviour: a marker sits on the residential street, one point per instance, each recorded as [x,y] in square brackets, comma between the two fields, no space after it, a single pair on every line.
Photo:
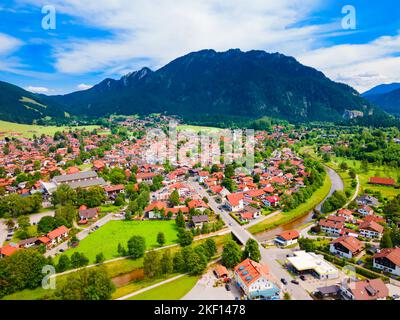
[34,218]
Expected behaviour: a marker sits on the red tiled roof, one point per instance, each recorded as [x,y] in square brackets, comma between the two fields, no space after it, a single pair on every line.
[234,198]
[289,235]
[9,249]
[249,271]
[371,225]
[393,254]
[351,243]
[383,181]
[57,232]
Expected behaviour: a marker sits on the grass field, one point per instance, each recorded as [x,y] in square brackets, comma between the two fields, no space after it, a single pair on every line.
[174,290]
[28,130]
[114,269]
[301,210]
[373,171]
[106,238]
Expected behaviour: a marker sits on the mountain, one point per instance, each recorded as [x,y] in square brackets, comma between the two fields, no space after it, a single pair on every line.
[382,89]
[19,105]
[390,102]
[232,83]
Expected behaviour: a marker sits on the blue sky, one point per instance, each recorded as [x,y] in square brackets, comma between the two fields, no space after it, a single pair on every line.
[95,39]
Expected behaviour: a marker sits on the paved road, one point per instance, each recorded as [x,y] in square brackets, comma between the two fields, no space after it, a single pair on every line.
[337,184]
[269,256]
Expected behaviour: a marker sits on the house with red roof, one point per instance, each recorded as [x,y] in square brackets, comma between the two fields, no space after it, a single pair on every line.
[346,246]
[235,202]
[287,238]
[371,229]
[374,289]
[388,260]
[255,281]
[57,235]
[8,250]
[331,227]
[271,201]
[198,205]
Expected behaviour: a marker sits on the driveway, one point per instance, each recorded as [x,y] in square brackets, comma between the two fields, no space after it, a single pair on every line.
[210,288]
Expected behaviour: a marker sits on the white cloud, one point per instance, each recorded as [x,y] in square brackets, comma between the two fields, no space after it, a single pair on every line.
[84,86]
[8,44]
[37,89]
[360,65]
[163,30]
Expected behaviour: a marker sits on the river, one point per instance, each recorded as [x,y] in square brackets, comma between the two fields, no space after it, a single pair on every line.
[337,184]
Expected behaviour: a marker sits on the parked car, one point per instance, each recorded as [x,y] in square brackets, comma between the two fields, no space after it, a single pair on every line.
[294,282]
[303,277]
[227,287]
[284,281]
[61,250]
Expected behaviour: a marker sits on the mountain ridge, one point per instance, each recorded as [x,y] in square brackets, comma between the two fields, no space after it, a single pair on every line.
[253,83]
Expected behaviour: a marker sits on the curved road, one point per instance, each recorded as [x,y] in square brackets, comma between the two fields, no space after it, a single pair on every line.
[337,185]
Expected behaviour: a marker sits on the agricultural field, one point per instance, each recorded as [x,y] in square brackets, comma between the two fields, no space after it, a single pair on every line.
[198,128]
[28,130]
[107,238]
[174,290]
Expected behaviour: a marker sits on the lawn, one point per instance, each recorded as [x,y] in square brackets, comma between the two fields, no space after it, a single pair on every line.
[174,290]
[28,130]
[373,171]
[106,238]
[301,210]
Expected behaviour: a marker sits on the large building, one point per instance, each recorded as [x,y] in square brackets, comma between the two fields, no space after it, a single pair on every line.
[255,282]
[309,262]
[346,246]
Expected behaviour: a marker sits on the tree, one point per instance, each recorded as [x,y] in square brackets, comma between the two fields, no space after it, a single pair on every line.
[161,238]
[167,265]
[210,247]
[136,247]
[179,262]
[196,262]
[152,264]
[100,257]
[64,263]
[344,166]
[180,220]
[46,224]
[23,222]
[386,240]
[121,250]
[87,284]
[10,223]
[174,198]
[66,214]
[63,195]
[252,250]
[22,270]
[231,255]
[79,260]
